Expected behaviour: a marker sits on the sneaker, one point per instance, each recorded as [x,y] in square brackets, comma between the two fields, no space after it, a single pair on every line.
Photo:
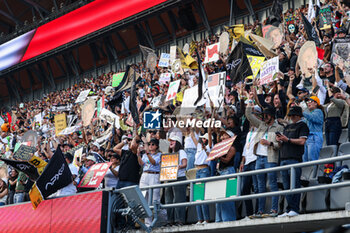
[246,218]
[199,223]
[205,222]
[272,213]
[257,215]
[292,213]
[283,215]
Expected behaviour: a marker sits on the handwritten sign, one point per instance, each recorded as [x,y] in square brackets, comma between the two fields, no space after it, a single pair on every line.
[60,123]
[164,60]
[24,152]
[169,167]
[255,64]
[268,70]
[172,53]
[94,176]
[172,91]
[216,88]
[165,78]
[212,53]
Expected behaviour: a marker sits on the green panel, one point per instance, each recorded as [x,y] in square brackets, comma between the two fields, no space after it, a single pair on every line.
[231,187]
[198,191]
[117,78]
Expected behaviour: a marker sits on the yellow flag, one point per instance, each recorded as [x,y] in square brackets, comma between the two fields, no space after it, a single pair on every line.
[255,64]
[38,163]
[236,31]
[193,46]
[187,62]
[35,196]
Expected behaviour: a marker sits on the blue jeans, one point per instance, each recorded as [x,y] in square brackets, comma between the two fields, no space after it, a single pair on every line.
[202,210]
[176,194]
[18,198]
[212,165]
[333,130]
[226,211]
[191,152]
[262,163]
[294,199]
[249,182]
[123,184]
[237,160]
[313,147]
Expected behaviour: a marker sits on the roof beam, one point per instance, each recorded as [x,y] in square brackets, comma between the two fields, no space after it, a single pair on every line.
[11,17]
[121,40]
[162,24]
[37,6]
[250,8]
[203,14]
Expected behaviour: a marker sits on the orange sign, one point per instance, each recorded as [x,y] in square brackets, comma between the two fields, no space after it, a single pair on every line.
[169,167]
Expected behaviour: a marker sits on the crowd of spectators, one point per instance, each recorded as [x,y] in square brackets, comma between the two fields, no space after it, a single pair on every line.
[276,124]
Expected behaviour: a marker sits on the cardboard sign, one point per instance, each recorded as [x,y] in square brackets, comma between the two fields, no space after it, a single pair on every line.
[307,57]
[164,60]
[172,90]
[110,117]
[151,61]
[156,101]
[216,88]
[268,70]
[38,118]
[186,48]
[117,78]
[82,96]
[221,149]
[224,41]
[325,18]
[100,105]
[212,53]
[169,167]
[172,54]
[94,175]
[62,108]
[275,35]
[60,123]
[78,154]
[24,152]
[255,64]
[338,60]
[165,78]
[88,112]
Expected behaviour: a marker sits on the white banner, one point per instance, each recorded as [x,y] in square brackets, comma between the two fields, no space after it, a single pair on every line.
[268,70]
[216,88]
[172,54]
[110,117]
[172,90]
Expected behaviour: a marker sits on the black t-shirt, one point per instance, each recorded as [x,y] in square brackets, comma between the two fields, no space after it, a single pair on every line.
[293,151]
[129,169]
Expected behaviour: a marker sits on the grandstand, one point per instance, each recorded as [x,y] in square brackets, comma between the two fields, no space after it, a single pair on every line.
[83,82]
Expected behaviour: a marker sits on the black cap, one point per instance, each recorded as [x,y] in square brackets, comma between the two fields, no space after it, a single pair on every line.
[69,156]
[269,111]
[295,111]
[341,30]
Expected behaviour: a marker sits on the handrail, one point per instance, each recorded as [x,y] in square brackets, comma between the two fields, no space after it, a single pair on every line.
[249,173]
[238,197]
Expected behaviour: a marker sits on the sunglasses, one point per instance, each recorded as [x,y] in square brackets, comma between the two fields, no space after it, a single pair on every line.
[300,92]
[129,139]
[151,144]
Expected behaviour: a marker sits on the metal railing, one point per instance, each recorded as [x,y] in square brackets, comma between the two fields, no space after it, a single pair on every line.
[239,176]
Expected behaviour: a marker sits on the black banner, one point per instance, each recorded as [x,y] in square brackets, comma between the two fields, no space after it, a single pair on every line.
[325,18]
[56,175]
[238,64]
[24,167]
[310,31]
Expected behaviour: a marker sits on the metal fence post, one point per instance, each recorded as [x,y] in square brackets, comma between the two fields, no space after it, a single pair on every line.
[150,196]
[239,185]
[292,178]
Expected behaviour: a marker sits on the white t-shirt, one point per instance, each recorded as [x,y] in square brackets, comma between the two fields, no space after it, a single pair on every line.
[189,142]
[182,155]
[110,180]
[262,149]
[201,155]
[69,189]
[248,150]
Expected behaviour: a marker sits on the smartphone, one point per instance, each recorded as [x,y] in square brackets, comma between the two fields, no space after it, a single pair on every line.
[315,90]
[278,133]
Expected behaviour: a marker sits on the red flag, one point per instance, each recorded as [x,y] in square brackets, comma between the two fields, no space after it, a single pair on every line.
[320,53]
[9,118]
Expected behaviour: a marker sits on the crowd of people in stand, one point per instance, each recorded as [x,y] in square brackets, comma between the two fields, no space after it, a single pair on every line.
[279,123]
